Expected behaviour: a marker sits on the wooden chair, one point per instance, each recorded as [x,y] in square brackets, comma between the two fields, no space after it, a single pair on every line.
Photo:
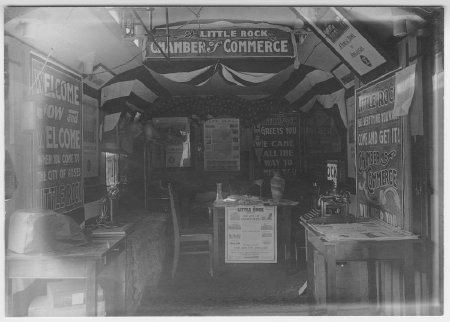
[184,239]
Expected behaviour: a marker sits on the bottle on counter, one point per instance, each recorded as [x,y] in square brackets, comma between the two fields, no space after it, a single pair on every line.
[277,184]
[219,196]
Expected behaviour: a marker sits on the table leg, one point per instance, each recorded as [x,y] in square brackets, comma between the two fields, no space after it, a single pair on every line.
[310,269]
[91,288]
[8,293]
[287,235]
[331,279]
[408,277]
[215,214]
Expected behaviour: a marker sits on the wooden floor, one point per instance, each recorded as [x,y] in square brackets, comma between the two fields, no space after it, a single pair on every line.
[237,289]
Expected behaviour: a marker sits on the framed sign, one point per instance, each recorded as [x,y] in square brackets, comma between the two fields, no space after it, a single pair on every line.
[236,41]
[57,136]
[251,234]
[222,145]
[379,153]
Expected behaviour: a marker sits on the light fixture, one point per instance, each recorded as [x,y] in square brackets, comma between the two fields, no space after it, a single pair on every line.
[399,28]
[28,29]
[87,63]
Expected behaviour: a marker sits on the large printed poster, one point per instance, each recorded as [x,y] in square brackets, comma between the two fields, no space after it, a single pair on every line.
[251,234]
[379,159]
[57,147]
[222,146]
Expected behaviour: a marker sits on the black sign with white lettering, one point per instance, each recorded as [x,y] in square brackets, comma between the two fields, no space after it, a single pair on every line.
[276,144]
[57,136]
[379,153]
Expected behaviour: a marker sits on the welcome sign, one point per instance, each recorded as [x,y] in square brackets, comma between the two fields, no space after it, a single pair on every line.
[57,136]
[228,42]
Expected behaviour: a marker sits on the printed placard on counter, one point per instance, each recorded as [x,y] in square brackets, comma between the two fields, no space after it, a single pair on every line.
[57,136]
[379,154]
[251,234]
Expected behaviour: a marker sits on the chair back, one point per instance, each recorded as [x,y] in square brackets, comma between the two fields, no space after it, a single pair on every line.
[174,212]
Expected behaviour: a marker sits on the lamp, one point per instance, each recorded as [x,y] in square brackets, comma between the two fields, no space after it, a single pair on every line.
[28,29]
[87,63]
[399,28]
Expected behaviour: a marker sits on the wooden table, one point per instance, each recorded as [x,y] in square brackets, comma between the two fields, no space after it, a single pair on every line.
[285,237]
[78,262]
[370,242]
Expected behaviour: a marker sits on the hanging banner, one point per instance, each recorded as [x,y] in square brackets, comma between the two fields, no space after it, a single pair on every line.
[57,136]
[251,234]
[276,145]
[227,42]
[379,153]
[90,137]
[343,37]
[221,144]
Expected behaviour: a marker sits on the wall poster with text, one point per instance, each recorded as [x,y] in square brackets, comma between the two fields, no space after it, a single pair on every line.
[57,136]
[379,154]
[176,131]
[276,145]
[251,234]
[222,145]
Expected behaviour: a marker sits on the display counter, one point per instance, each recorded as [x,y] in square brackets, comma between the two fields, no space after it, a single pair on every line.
[124,262]
[364,240]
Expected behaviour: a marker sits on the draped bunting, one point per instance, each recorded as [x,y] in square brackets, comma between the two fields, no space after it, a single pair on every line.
[243,73]
[135,86]
[308,85]
[305,87]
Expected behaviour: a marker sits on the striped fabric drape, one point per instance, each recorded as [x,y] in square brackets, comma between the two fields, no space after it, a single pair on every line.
[308,85]
[244,72]
[135,87]
[305,86]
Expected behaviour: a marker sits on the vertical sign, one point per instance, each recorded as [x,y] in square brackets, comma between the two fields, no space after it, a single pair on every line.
[251,234]
[90,137]
[379,154]
[276,144]
[343,37]
[222,146]
[332,171]
[57,136]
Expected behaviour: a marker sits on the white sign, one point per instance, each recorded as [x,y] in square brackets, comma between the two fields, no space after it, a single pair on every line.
[338,32]
[332,171]
[251,234]
[222,145]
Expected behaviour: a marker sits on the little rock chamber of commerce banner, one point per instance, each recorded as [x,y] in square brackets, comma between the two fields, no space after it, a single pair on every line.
[222,42]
